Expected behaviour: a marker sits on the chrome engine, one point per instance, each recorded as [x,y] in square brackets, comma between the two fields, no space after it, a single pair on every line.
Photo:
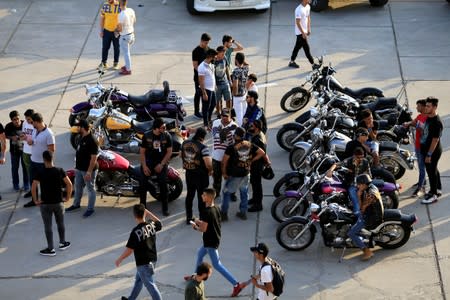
[117,183]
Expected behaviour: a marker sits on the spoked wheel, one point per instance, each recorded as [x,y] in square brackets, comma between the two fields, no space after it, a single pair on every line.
[295,99]
[285,207]
[392,166]
[296,158]
[290,181]
[288,231]
[174,187]
[287,133]
[390,200]
[396,235]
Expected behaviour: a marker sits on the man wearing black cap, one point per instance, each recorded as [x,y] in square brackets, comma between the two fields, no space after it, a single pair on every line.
[85,169]
[263,281]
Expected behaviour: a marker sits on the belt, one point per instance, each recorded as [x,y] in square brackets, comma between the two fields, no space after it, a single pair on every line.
[127,34]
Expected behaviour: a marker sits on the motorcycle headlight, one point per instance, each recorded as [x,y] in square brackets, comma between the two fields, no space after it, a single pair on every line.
[314,207]
[314,112]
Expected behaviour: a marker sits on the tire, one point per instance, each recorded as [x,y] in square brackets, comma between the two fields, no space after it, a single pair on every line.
[390,200]
[287,133]
[377,3]
[175,187]
[290,181]
[295,99]
[281,206]
[73,119]
[190,7]
[287,231]
[392,166]
[74,140]
[403,232]
[318,5]
[296,158]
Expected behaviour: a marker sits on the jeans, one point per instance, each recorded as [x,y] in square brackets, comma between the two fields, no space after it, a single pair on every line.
[162,183]
[240,106]
[80,183]
[208,107]
[421,165]
[26,160]
[353,233]
[47,211]
[125,42]
[353,195]
[217,176]
[195,183]
[144,276]
[300,42]
[215,260]
[108,38]
[232,184]
[16,160]
[223,90]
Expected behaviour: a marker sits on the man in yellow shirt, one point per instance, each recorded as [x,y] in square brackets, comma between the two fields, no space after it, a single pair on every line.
[109,17]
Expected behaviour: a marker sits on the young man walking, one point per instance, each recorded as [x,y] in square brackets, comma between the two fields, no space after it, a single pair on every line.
[195,287]
[199,55]
[50,179]
[142,242]
[302,31]
[109,17]
[263,281]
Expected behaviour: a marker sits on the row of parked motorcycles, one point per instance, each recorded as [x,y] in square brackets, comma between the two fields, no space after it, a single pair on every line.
[316,140]
[118,121]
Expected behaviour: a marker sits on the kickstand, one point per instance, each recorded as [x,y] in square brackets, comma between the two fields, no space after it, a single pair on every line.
[118,198]
[342,255]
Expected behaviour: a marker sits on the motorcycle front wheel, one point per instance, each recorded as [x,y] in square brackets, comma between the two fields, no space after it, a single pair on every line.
[390,200]
[75,140]
[392,166]
[282,206]
[175,187]
[290,181]
[296,158]
[287,133]
[398,235]
[295,99]
[288,231]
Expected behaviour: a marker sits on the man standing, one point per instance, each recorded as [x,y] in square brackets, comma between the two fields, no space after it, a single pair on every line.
[155,153]
[207,81]
[253,112]
[13,132]
[210,225]
[430,146]
[27,129]
[302,31]
[198,165]
[127,19]
[142,242]
[263,281]
[85,169]
[239,80]
[228,42]
[235,170]
[199,55]
[2,147]
[223,79]
[50,179]
[41,140]
[108,23]
[195,288]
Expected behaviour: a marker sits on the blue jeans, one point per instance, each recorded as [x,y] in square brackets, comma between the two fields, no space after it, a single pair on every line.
[215,260]
[232,184]
[353,195]
[125,42]
[16,160]
[80,183]
[421,165]
[353,233]
[144,276]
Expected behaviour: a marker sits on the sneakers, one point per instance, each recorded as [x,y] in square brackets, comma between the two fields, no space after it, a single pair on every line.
[88,213]
[115,66]
[293,64]
[125,72]
[237,289]
[48,252]
[429,199]
[224,216]
[29,204]
[166,213]
[27,195]
[241,215]
[64,245]
[124,298]
[418,192]
[102,66]
[72,208]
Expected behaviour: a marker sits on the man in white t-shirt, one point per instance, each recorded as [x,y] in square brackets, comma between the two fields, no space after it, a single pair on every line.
[263,281]
[302,31]
[207,81]
[125,27]
[27,129]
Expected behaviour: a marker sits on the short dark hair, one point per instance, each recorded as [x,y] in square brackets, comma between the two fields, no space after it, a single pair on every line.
[29,112]
[240,57]
[433,100]
[258,124]
[210,192]
[358,151]
[211,53]
[13,114]
[422,102]
[365,113]
[205,37]
[253,77]
[200,134]
[220,49]
[226,38]
[253,94]
[240,132]
[139,210]
[203,268]
[157,123]
[47,156]
[37,117]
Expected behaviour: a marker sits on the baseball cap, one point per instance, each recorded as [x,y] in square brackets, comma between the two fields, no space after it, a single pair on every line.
[261,248]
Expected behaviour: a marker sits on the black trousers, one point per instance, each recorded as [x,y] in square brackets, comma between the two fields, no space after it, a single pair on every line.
[108,38]
[302,43]
[256,182]
[47,212]
[217,176]
[161,180]
[195,183]
[197,96]
[434,176]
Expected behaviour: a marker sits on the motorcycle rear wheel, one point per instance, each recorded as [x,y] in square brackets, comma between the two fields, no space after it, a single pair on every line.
[283,204]
[290,181]
[175,187]
[392,166]
[401,231]
[288,230]
[295,99]
[287,133]
[296,158]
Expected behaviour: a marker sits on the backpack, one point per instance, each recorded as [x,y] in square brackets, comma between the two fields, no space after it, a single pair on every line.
[278,276]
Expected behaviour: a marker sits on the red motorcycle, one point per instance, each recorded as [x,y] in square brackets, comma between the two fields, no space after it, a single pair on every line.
[117,177]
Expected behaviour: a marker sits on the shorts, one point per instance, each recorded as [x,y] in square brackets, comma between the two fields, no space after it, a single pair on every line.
[223,90]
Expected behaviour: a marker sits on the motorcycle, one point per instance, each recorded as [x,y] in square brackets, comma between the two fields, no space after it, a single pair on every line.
[117,131]
[155,103]
[319,5]
[117,177]
[298,97]
[335,221]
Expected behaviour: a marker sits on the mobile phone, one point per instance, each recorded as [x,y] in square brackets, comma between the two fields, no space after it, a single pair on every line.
[192,222]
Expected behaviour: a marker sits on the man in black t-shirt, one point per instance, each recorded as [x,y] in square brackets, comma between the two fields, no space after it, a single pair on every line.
[199,55]
[198,165]
[142,242]
[431,149]
[2,147]
[50,180]
[372,126]
[155,153]
[210,225]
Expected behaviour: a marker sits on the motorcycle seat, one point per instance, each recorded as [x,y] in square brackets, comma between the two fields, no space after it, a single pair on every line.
[391,215]
[379,183]
[152,96]
[380,103]
[388,146]
[142,127]
[384,125]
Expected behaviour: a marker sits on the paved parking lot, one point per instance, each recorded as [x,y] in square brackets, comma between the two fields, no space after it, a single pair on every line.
[49,49]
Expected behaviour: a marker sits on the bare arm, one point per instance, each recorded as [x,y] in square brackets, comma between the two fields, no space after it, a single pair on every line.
[201,80]
[152,216]
[127,252]
[51,148]
[3,148]
[224,165]
[146,170]
[68,188]
[102,24]
[200,225]
[92,163]
[208,164]
[238,47]
[34,195]
[235,87]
